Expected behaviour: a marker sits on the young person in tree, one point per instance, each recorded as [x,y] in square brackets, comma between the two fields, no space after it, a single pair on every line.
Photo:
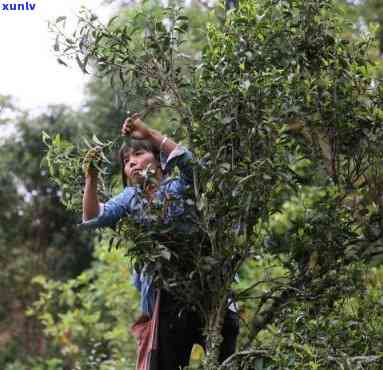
[148,150]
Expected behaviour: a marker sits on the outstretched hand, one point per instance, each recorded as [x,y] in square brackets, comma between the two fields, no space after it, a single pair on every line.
[135,128]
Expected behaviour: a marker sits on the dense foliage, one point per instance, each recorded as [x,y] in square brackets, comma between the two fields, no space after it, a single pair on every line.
[283,113]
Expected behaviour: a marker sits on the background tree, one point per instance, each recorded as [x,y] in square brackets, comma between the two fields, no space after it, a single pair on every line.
[284,110]
[37,235]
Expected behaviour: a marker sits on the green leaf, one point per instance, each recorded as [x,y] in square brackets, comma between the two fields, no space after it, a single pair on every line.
[60,19]
[46,138]
[81,64]
[97,140]
[56,46]
[87,142]
[165,253]
[121,74]
[105,158]
[112,20]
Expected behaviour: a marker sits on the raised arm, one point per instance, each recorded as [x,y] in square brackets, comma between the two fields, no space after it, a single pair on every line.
[134,127]
[96,214]
[90,203]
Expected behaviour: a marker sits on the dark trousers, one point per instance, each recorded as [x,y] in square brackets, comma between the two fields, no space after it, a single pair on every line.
[180,329]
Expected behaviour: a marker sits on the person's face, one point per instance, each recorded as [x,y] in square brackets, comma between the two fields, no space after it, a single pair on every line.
[136,162]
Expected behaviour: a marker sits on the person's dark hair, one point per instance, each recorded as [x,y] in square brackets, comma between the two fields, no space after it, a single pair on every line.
[133,145]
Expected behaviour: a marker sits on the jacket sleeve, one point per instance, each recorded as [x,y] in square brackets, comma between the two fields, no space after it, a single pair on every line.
[112,211]
[181,158]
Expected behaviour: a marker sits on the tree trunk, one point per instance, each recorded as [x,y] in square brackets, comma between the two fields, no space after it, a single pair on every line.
[213,339]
